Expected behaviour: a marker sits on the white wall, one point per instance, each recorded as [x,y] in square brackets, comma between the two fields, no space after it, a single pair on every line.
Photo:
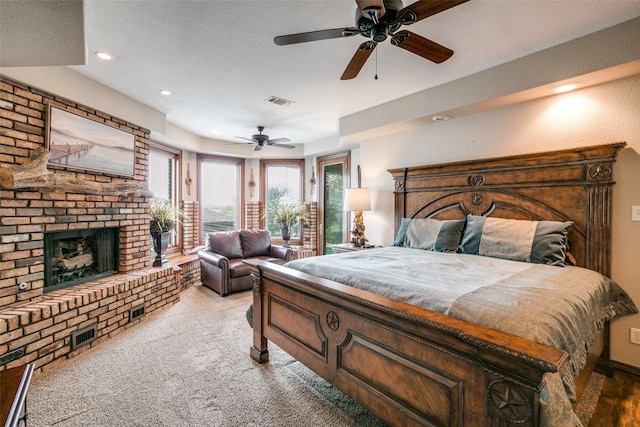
[599,114]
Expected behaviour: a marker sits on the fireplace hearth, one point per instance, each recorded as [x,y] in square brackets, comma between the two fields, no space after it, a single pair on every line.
[78,256]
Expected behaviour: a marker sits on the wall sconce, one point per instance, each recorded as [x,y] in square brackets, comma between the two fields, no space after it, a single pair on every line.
[312,181]
[252,185]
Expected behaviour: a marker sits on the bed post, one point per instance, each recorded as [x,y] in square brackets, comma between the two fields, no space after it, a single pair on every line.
[259,351]
[400,190]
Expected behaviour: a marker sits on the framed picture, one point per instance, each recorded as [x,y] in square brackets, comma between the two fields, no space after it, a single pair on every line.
[81,143]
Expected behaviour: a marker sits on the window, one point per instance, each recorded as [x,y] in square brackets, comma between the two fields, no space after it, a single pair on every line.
[333,179]
[220,187]
[282,181]
[164,163]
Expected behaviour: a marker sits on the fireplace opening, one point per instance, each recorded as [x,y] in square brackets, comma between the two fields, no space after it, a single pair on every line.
[78,256]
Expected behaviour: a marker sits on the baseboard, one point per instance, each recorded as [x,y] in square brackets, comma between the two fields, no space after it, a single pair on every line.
[629,371]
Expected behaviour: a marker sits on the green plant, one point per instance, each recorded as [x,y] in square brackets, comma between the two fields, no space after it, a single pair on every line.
[286,215]
[164,215]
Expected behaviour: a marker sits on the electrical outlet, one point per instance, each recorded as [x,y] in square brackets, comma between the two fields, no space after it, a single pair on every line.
[634,335]
[635,213]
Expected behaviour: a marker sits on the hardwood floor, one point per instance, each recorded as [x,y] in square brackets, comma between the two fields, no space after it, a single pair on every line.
[619,403]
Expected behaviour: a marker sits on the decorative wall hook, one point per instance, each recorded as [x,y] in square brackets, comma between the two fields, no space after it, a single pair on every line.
[312,181]
[188,180]
[252,184]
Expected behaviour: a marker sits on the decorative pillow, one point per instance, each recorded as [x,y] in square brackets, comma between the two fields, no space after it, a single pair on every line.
[255,243]
[537,242]
[434,235]
[225,243]
[402,231]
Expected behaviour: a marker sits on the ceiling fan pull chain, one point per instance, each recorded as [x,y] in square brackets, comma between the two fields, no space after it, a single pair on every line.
[376,77]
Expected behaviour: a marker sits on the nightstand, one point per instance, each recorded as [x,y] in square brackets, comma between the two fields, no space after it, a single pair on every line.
[349,247]
[300,252]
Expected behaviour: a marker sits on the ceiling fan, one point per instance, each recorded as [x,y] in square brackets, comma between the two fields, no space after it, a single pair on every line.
[377,20]
[260,140]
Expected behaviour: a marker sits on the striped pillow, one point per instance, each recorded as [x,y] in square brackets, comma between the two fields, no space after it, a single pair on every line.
[433,235]
[537,242]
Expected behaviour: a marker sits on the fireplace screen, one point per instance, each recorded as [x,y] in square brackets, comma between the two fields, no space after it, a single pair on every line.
[74,257]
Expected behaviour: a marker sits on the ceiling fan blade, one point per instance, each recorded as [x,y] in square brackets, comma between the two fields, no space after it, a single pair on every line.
[315,35]
[246,139]
[374,9]
[272,141]
[426,8]
[283,145]
[421,46]
[358,60]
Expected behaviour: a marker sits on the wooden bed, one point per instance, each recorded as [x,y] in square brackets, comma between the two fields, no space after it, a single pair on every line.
[412,366]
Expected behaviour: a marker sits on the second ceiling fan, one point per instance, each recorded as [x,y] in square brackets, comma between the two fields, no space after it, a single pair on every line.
[261,139]
[377,20]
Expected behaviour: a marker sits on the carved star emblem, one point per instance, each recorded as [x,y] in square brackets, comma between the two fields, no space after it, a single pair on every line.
[509,402]
[333,321]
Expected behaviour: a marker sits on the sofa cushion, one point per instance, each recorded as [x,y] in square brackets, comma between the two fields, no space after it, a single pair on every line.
[255,243]
[226,243]
[237,268]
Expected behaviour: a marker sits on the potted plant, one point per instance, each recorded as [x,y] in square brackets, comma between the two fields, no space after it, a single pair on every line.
[164,218]
[287,215]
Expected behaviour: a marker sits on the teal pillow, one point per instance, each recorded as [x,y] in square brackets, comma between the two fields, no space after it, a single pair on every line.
[434,235]
[537,242]
[402,231]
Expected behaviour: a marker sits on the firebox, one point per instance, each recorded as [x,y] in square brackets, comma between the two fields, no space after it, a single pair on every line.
[78,256]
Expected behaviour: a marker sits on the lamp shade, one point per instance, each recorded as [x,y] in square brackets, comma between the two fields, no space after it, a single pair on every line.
[357,199]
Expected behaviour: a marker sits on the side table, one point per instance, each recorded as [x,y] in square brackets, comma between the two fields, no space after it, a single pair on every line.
[301,252]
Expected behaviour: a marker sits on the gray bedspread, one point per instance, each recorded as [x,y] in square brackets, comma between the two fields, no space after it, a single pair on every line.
[564,307]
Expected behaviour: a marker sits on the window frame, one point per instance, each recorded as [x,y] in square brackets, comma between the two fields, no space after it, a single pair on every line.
[239,162]
[176,196]
[264,165]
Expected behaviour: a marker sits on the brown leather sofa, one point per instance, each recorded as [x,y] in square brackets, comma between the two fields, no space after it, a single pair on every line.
[221,259]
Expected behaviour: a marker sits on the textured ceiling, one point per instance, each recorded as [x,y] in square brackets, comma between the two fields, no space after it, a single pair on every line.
[220,63]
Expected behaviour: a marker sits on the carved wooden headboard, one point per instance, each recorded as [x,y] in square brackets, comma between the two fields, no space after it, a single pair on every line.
[565,185]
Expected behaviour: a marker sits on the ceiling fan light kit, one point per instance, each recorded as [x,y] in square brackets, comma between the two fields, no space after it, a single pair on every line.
[378,20]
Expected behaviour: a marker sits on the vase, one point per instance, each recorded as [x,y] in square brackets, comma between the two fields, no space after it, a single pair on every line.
[160,245]
[285,237]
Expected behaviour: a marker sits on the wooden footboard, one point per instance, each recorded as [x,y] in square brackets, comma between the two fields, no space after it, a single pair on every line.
[408,365]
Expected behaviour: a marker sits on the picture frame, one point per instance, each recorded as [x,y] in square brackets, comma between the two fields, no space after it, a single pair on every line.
[79,143]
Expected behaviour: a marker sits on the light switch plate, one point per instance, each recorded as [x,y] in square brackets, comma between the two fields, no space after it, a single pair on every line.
[635,213]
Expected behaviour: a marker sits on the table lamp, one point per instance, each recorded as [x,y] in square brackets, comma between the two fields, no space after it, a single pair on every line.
[357,200]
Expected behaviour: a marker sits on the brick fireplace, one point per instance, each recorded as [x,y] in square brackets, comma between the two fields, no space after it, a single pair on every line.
[78,256]
[36,326]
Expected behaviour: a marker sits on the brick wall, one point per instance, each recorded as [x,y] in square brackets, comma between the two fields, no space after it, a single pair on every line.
[36,326]
[27,214]
[40,332]
[190,230]
[310,234]
[252,211]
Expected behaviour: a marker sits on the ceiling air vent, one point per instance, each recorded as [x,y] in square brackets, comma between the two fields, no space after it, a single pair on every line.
[83,336]
[279,101]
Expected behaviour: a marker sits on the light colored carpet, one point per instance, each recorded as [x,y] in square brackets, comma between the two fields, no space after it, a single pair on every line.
[189,365]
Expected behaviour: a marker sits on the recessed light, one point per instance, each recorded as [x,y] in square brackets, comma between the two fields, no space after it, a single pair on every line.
[104,55]
[165,92]
[566,88]
[216,131]
[441,118]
